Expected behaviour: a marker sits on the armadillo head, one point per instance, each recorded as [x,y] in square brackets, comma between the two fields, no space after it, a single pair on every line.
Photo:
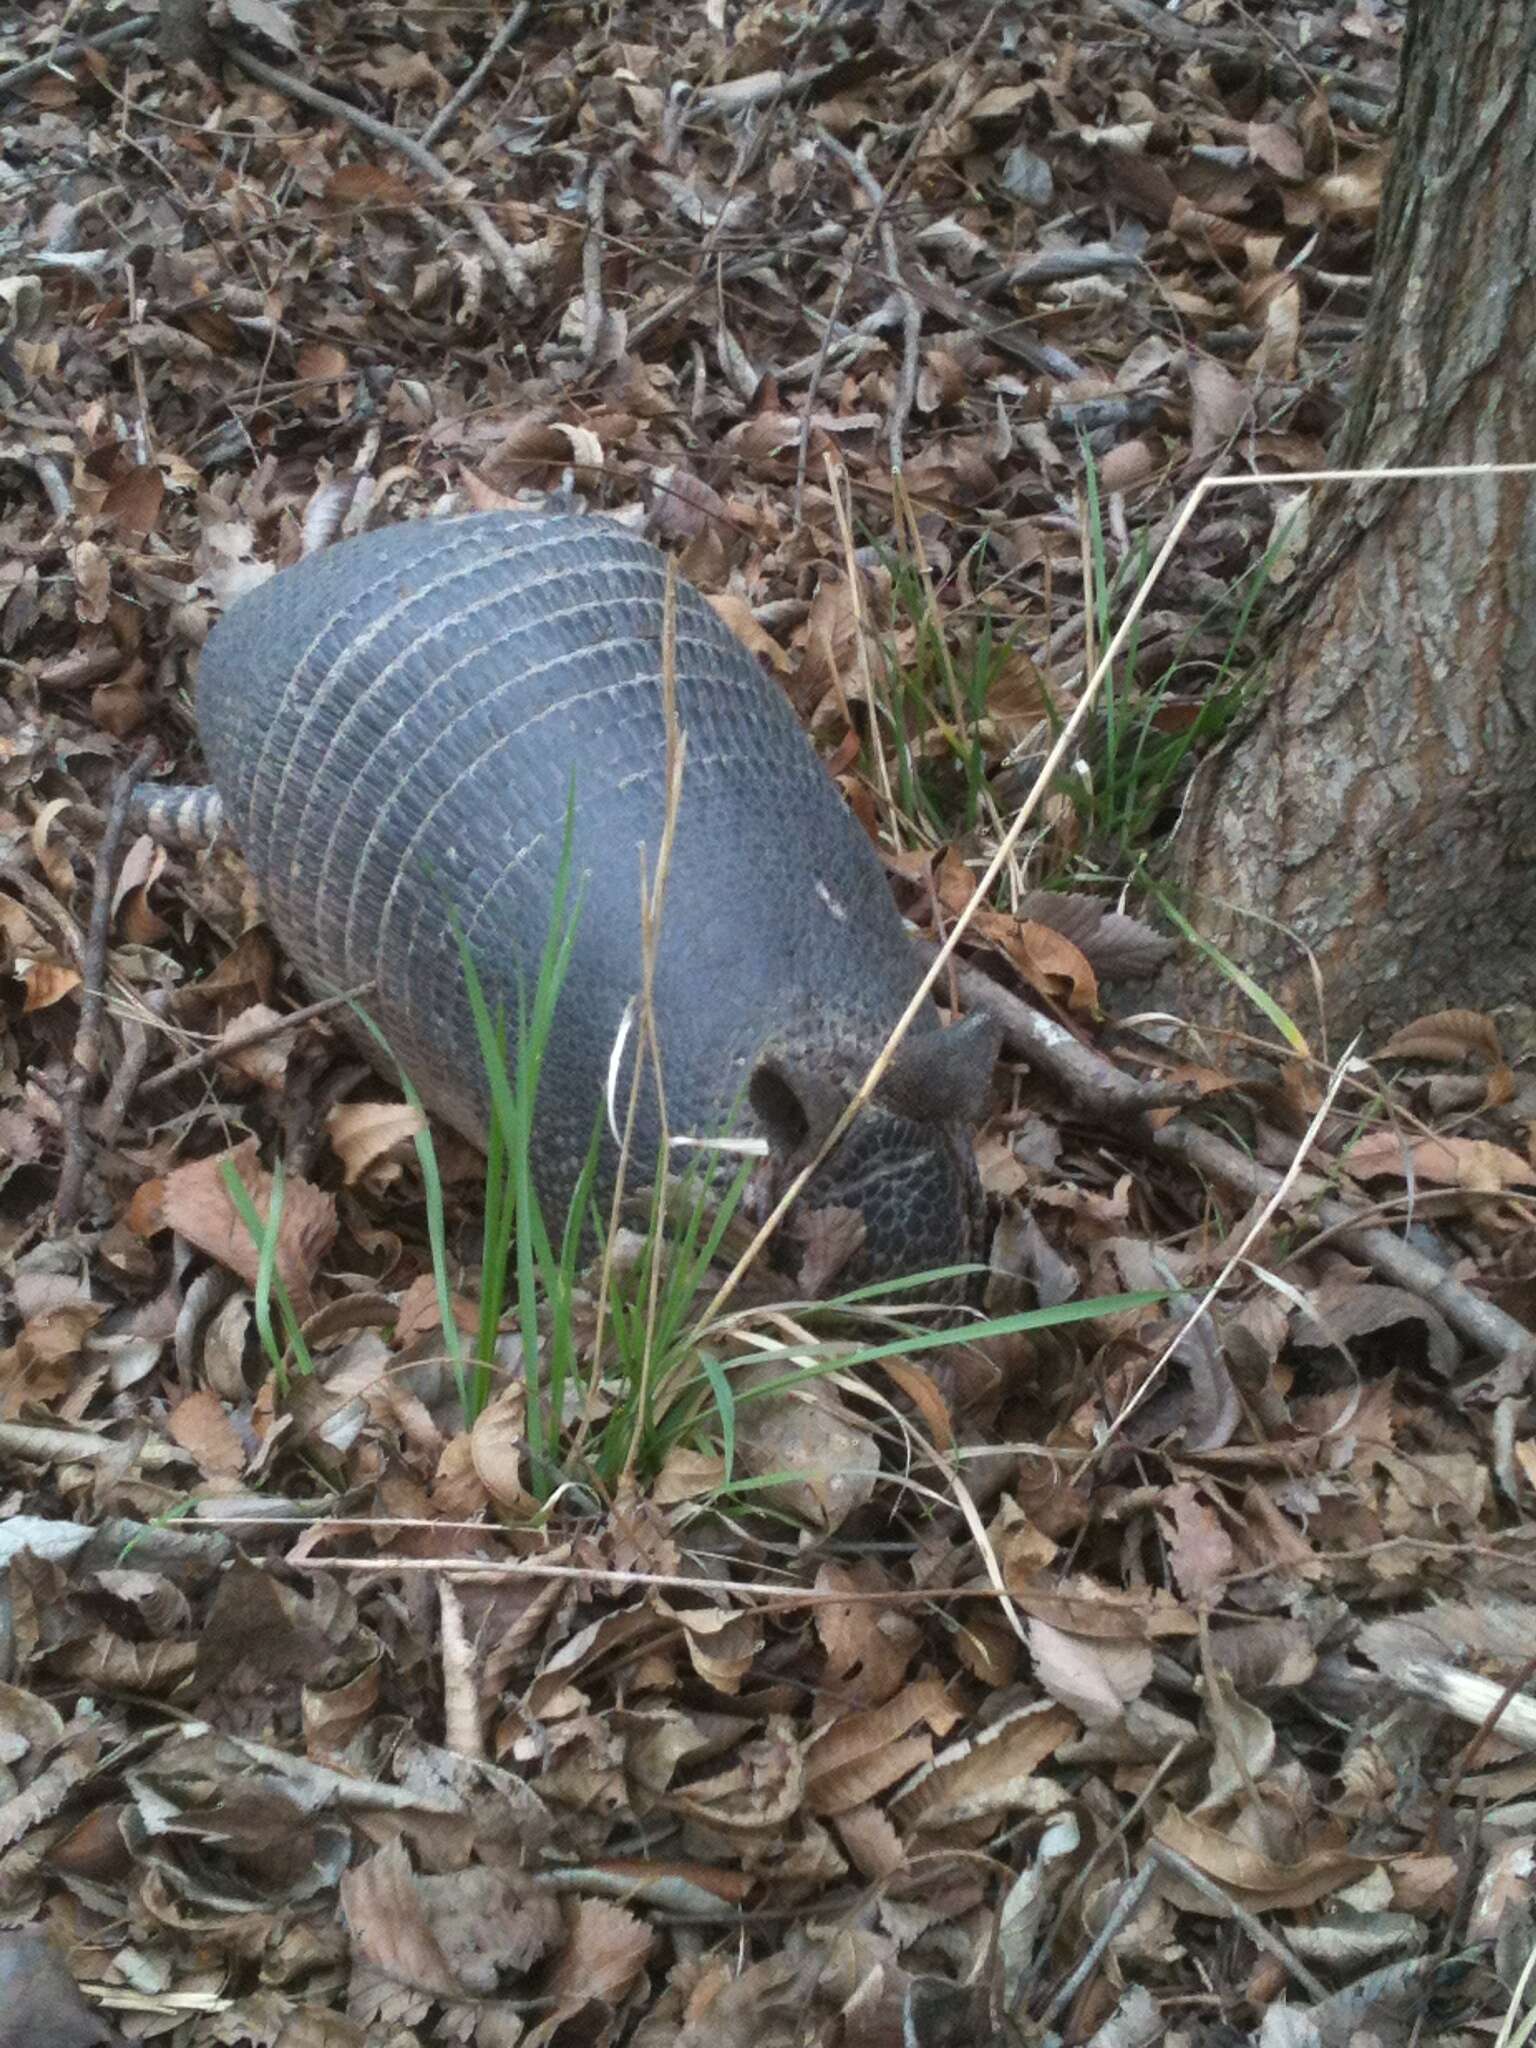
[905,1167]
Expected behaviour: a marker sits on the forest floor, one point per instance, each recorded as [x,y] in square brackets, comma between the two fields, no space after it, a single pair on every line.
[1126,1679]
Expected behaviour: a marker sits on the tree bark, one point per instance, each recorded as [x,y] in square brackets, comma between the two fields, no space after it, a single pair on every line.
[1378,818]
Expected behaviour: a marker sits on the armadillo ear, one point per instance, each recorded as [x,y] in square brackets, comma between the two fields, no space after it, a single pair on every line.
[796,1108]
[944,1076]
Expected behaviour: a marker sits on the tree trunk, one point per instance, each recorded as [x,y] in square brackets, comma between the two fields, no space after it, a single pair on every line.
[1380,813]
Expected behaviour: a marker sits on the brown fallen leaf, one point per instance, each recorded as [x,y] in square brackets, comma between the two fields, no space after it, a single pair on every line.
[1256,1881]
[1445,1035]
[135,498]
[868,1644]
[1050,964]
[197,1205]
[247,974]
[852,1760]
[1094,1681]
[43,1362]
[1201,1552]
[1221,408]
[369,185]
[1472,1163]
[200,1424]
[1085,1608]
[363,1133]
[606,1949]
[45,983]
[733,608]
[819,1463]
[986,1773]
[722,1646]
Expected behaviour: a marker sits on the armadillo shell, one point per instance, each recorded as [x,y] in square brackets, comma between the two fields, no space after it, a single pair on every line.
[397,724]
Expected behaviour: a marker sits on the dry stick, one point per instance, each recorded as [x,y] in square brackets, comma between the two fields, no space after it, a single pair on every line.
[509,31]
[462,1730]
[911,312]
[648,1041]
[1111,1096]
[1404,1260]
[300,1556]
[592,318]
[255,1034]
[837,490]
[100,39]
[1079,1884]
[52,912]
[135,1058]
[87,1056]
[48,473]
[1474,1749]
[1179,35]
[1480,1322]
[1181,1867]
[903,171]
[1250,1236]
[514,274]
[1127,1899]
[906,388]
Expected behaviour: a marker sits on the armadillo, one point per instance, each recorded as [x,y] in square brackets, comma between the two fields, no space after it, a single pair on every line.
[399,726]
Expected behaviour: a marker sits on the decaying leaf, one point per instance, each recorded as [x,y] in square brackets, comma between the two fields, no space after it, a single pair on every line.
[198,1206]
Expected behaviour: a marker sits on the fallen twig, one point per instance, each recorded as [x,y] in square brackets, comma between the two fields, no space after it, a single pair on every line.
[130,1067]
[510,266]
[1166,28]
[911,312]
[1490,1706]
[129,31]
[242,1041]
[1127,1899]
[902,173]
[592,312]
[53,913]
[86,1063]
[509,31]
[1181,1867]
[1098,1087]
[55,489]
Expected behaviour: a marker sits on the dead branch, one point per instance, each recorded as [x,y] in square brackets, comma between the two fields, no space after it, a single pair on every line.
[592,311]
[52,912]
[130,31]
[911,312]
[1181,35]
[86,1063]
[125,1080]
[1188,1873]
[1127,1901]
[861,242]
[55,488]
[1107,1095]
[242,1041]
[509,264]
[509,32]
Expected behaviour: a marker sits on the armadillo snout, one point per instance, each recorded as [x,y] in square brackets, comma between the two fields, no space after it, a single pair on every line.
[916,1188]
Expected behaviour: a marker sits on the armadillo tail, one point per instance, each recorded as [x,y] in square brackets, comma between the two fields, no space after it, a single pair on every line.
[177,814]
